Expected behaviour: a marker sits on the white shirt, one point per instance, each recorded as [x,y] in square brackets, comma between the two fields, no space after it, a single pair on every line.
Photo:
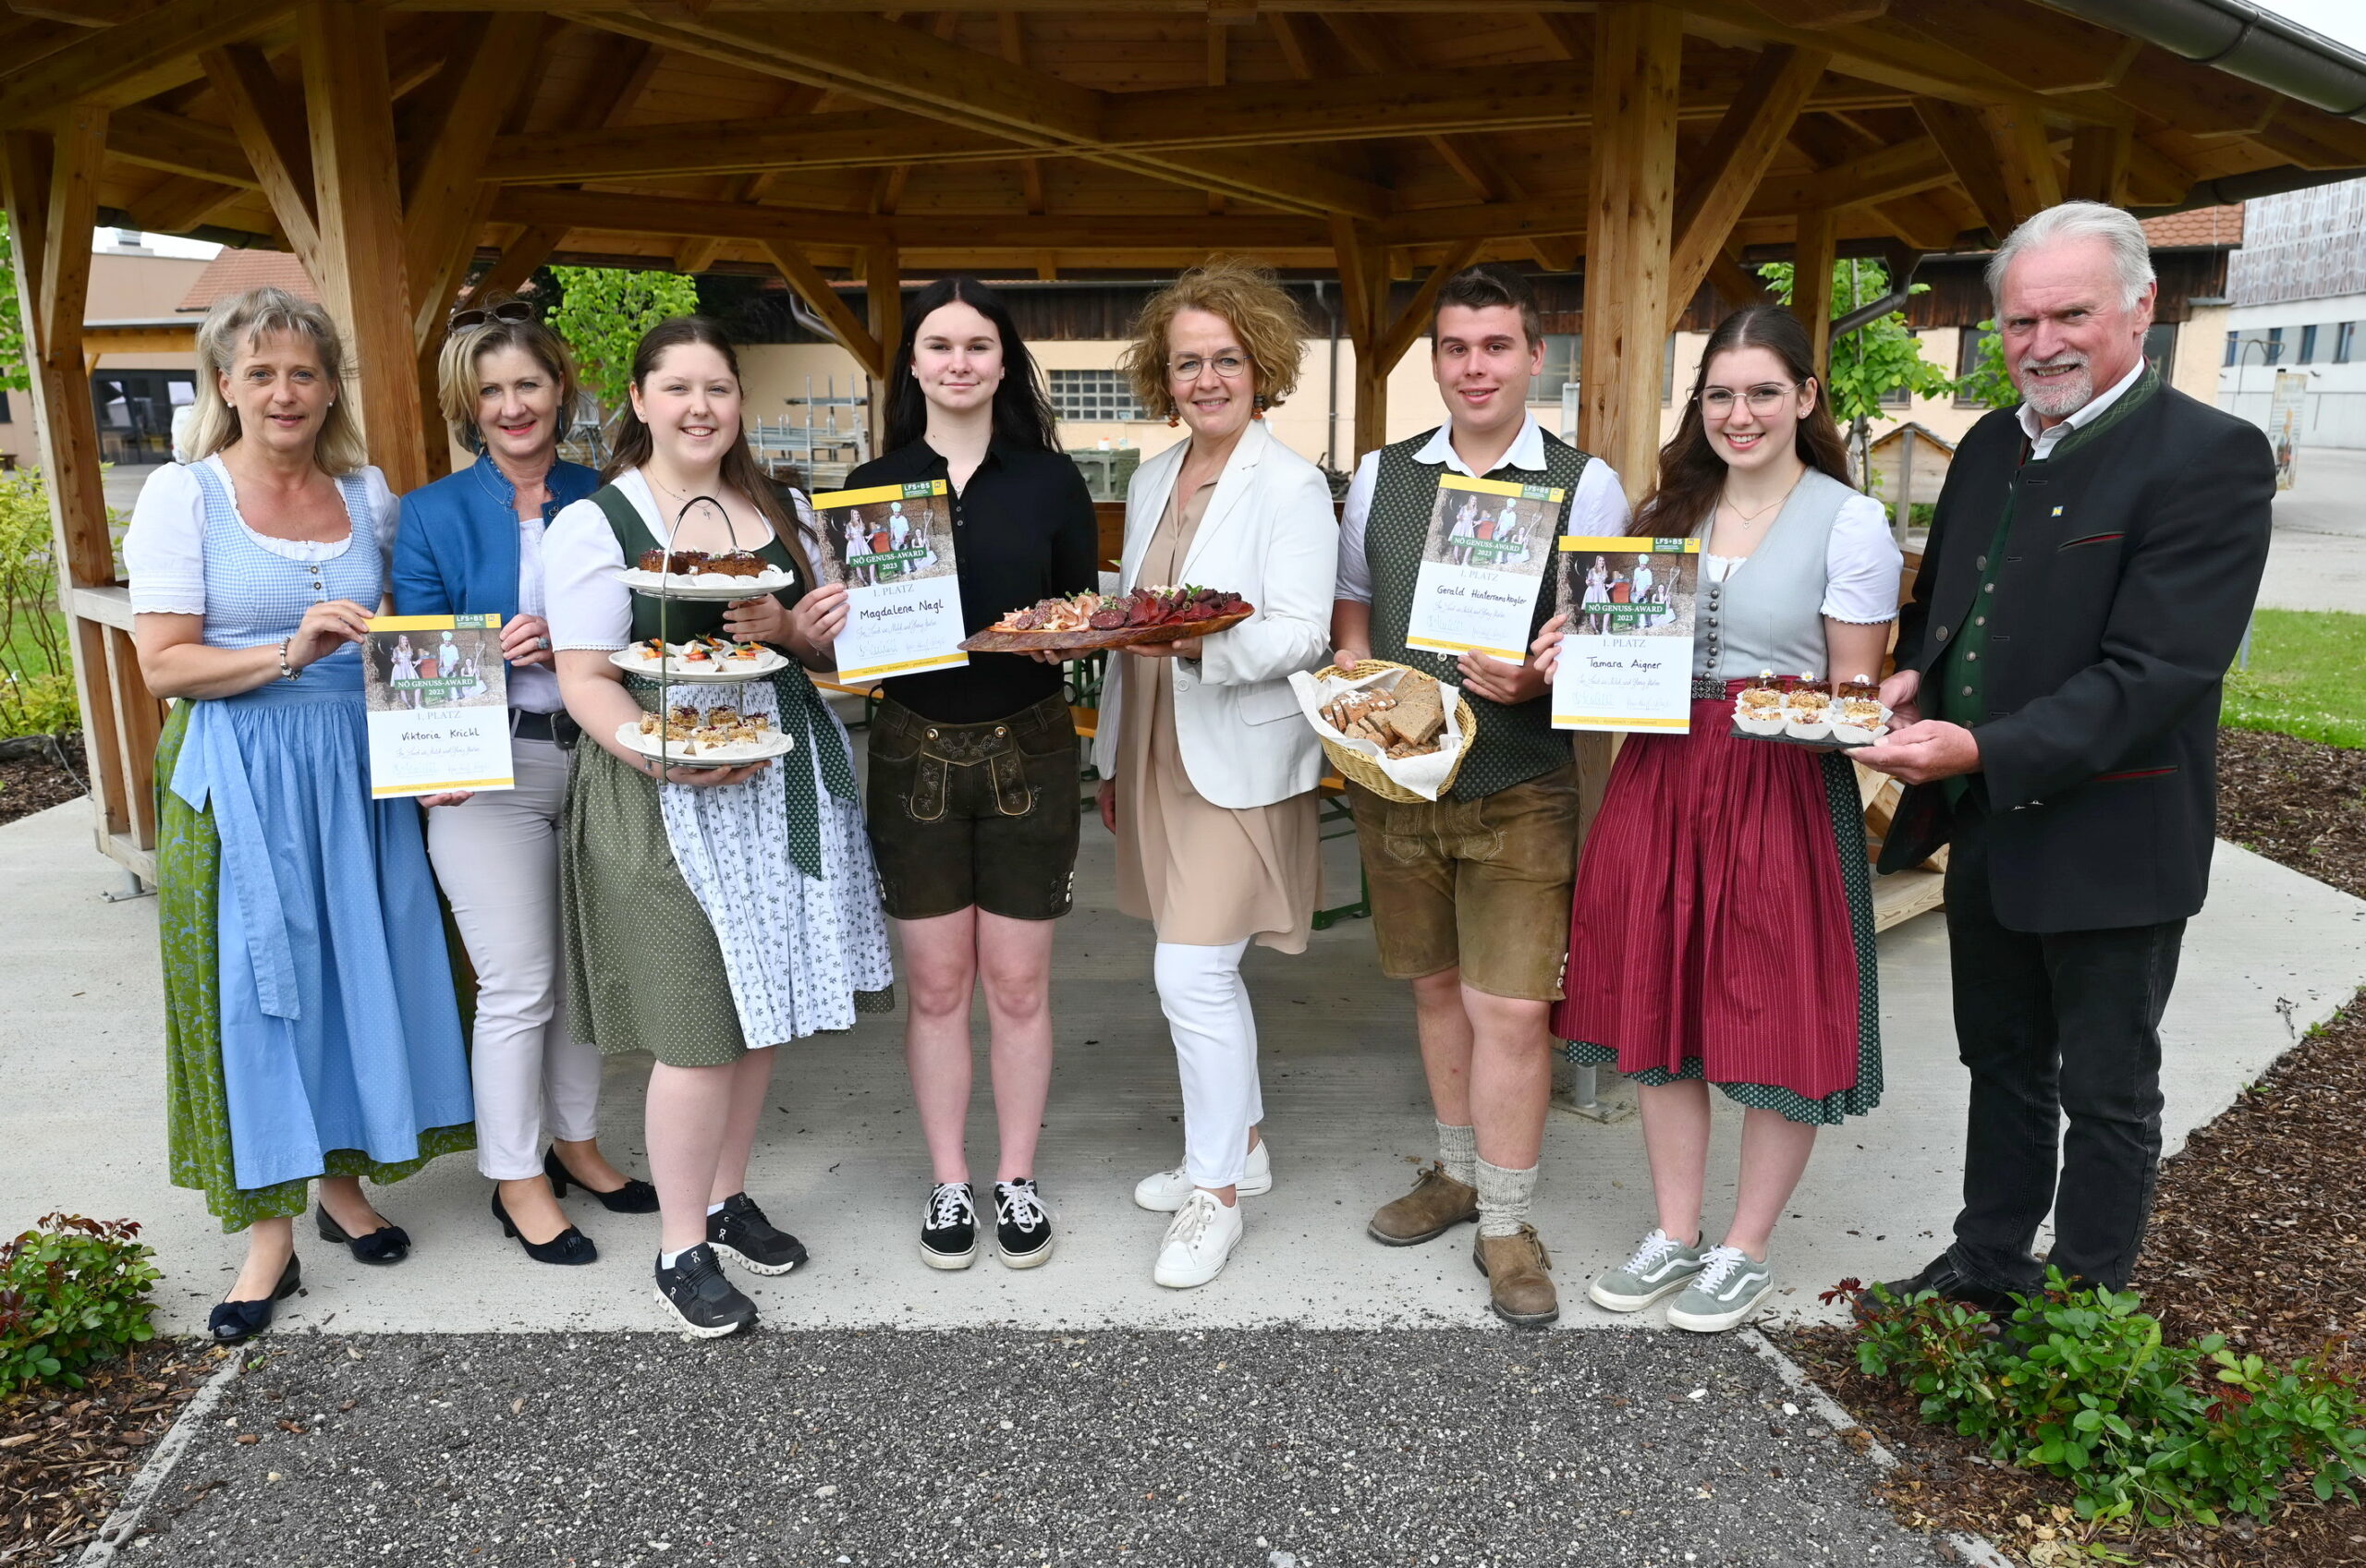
[163,549]
[1861,565]
[587,607]
[2043,440]
[533,687]
[1598,509]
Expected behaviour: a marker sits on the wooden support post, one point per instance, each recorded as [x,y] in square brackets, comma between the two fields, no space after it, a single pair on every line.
[1632,190]
[51,191]
[882,287]
[1363,299]
[356,188]
[2099,159]
[1812,260]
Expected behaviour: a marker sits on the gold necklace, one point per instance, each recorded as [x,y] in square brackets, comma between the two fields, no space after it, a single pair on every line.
[730,524]
[1750,518]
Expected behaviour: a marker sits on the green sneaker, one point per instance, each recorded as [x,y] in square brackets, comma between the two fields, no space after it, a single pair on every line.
[1661,1266]
[1731,1285]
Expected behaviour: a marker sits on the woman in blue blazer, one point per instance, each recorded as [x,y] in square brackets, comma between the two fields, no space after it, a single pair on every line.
[471,543]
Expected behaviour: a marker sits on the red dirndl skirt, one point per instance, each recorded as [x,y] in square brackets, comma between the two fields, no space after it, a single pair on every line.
[1723,923]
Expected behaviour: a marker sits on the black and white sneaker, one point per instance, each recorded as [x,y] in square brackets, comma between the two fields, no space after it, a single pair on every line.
[741,1233]
[696,1292]
[949,1226]
[1022,1225]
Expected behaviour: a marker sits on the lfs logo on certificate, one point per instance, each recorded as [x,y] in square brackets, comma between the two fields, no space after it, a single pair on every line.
[437,694]
[892,546]
[1627,644]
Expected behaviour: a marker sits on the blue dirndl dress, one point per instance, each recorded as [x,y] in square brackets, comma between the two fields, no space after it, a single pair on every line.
[339,1031]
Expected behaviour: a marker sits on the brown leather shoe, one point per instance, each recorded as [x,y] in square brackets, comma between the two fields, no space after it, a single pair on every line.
[1515,1265]
[1436,1206]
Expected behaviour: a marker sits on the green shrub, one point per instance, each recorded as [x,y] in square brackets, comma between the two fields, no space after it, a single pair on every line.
[73,1293]
[36,674]
[2079,1384]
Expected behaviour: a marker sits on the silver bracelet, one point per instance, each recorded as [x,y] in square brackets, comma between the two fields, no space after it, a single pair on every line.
[287,670]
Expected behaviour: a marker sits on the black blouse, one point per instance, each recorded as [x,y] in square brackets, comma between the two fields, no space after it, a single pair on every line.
[1023,530]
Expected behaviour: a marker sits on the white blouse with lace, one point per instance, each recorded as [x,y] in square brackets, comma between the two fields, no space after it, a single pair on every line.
[163,549]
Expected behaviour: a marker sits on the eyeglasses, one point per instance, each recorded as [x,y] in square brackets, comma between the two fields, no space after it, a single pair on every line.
[513,312]
[1717,403]
[1231,367]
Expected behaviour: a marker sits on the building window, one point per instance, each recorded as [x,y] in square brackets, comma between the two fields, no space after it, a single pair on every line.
[2161,348]
[2345,338]
[2234,347]
[3,407]
[1095,397]
[1967,346]
[2276,345]
[1562,352]
[1667,373]
[2308,346]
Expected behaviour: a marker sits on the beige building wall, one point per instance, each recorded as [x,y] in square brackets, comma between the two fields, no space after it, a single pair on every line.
[125,286]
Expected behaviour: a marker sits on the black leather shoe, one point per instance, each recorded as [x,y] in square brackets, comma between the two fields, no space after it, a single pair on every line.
[706,1304]
[1941,1276]
[387,1243]
[571,1245]
[636,1197]
[235,1322]
[741,1233]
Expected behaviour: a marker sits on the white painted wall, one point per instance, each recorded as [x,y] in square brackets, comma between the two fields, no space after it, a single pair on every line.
[2336,411]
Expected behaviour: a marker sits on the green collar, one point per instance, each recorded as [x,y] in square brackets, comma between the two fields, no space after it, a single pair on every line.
[2147,386]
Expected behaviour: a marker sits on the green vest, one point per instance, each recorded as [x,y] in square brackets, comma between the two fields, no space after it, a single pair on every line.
[1962,671]
[1518,743]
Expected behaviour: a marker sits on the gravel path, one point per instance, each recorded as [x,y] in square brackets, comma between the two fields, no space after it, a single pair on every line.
[1260,1447]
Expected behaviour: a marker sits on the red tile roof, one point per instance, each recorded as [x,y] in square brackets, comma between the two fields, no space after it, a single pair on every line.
[2204,227]
[235,271]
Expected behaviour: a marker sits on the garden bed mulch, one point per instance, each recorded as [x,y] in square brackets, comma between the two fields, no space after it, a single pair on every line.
[36,783]
[2256,1234]
[66,1454]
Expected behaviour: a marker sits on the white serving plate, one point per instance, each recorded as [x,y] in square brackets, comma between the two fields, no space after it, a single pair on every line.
[704,585]
[711,672]
[777,745]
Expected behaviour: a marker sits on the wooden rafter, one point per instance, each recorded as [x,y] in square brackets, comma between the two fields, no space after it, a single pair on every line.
[118,65]
[1962,138]
[268,121]
[828,304]
[1737,159]
[518,262]
[444,207]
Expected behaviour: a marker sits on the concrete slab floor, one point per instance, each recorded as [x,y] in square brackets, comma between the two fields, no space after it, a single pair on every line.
[82,1129]
[2317,559]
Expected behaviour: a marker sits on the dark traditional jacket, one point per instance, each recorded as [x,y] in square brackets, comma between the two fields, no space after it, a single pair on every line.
[2108,589]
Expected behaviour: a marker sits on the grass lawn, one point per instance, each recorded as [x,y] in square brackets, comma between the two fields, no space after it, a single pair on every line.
[2307,678]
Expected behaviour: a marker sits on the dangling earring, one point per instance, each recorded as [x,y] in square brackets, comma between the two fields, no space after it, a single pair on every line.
[1257,409]
[1173,418]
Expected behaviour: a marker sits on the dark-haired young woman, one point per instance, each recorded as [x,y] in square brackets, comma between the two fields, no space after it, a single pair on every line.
[1723,928]
[710,913]
[974,772]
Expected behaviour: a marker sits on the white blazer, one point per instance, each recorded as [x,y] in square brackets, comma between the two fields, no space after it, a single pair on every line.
[1269,534]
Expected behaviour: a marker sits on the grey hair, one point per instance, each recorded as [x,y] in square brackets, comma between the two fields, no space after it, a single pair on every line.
[2131,252]
[232,328]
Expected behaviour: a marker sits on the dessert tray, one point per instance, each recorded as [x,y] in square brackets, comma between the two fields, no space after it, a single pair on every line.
[1806,712]
[702,659]
[706,737]
[1088,621]
[694,574]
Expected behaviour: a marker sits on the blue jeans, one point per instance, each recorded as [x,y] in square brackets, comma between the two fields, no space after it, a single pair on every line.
[2053,1025]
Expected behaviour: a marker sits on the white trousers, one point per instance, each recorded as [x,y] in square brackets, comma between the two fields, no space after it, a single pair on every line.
[1207,1010]
[497,857]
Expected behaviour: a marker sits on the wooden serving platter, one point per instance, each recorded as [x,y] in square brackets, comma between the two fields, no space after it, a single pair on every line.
[1090,642]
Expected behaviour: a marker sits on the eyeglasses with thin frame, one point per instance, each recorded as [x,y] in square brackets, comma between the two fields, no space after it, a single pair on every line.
[1231,367]
[1717,402]
[510,310]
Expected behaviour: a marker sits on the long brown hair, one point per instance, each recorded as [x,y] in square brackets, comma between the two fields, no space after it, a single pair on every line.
[634,442]
[1692,474]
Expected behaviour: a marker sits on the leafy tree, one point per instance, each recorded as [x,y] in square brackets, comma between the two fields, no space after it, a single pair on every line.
[603,312]
[1986,381]
[13,374]
[1872,362]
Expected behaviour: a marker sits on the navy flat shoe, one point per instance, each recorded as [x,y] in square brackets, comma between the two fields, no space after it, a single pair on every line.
[387,1243]
[636,1197]
[235,1322]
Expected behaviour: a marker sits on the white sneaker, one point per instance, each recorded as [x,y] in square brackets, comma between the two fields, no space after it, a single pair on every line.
[1198,1242]
[1165,1193]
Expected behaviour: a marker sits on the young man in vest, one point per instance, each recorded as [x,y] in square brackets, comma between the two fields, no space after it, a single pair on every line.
[1471,893]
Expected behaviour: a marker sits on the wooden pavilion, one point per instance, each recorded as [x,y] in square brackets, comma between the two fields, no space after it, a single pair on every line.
[399,148]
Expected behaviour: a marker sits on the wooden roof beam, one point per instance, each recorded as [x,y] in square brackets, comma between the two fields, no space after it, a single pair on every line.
[1963,138]
[443,210]
[178,203]
[180,145]
[120,66]
[1736,161]
[2050,53]
[267,115]
[802,276]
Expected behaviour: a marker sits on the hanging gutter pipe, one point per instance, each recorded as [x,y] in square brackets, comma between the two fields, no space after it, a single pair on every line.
[2242,39]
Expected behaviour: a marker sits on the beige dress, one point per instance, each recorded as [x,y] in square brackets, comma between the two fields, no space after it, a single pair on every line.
[1203,875]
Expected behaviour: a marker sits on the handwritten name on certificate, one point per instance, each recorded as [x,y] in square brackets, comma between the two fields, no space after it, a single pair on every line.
[435,694]
[1488,544]
[1627,647]
[892,546]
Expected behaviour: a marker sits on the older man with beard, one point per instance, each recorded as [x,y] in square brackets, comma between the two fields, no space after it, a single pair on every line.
[2089,573]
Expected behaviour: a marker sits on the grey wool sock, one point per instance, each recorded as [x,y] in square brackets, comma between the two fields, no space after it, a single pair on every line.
[1503,1199]
[1458,1152]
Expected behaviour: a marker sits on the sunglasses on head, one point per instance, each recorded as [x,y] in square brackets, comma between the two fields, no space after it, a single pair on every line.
[512,311]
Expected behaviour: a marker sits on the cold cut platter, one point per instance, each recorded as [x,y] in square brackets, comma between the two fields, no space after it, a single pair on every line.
[1092,621]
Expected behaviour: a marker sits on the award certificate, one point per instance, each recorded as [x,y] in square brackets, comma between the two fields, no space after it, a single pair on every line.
[1488,544]
[892,546]
[1627,647]
[436,693]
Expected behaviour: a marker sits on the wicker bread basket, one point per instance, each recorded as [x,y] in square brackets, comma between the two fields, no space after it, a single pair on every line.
[1357,768]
